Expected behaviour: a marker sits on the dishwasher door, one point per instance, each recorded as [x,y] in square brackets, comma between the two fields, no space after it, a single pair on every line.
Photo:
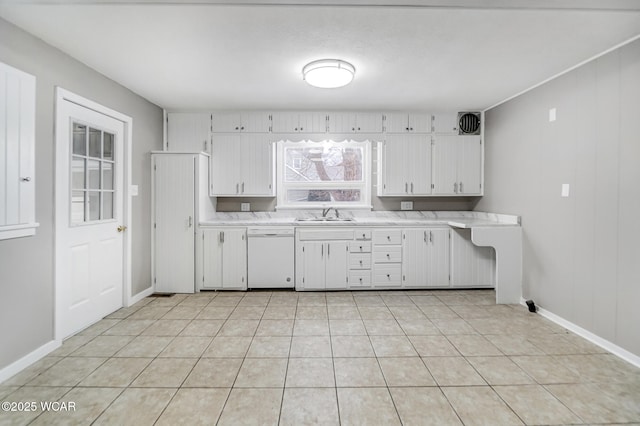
[270,257]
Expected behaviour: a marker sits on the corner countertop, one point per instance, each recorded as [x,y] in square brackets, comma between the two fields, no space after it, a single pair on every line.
[456,219]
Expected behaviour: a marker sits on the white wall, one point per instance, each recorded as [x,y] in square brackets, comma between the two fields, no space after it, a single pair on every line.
[26,264]
[581,253]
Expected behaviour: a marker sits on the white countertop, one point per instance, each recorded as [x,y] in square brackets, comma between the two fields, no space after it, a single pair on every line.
[458,219]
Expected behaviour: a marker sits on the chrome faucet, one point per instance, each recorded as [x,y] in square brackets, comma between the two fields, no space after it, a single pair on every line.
[326,211]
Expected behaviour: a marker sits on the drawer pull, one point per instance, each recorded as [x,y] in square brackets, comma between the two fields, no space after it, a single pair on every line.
[361,263]
[388,256]
[360,279]
[388,276]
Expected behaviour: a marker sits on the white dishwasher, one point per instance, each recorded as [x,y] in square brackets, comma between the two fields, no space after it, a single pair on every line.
[270,257]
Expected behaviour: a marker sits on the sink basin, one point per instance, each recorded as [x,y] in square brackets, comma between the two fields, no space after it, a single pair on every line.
[325,219]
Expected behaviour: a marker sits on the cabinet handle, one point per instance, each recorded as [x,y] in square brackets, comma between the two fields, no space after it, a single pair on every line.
[388,256]
[388,276]
[301,128]
[237,186]
[406,128]
[411,129]
[242,128]
[406,187]
[353,129]
[296,129]
[205,146]
[461,190]
[222,236]
[412,187]
[358,128]
[242,187]
[430,236]
[237,128]
[361,263]
[328,250]
[360,248]
[425,236]
[190,221]
[26,179]
[360,280]
[363,236]
[455,187]
[322,250]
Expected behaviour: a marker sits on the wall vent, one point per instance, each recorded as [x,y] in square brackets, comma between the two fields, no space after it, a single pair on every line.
[469,123]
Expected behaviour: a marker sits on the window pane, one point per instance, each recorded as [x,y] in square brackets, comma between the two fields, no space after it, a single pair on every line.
[77,173]
[107,176]
[107,205]
[95,143]
[94,205]
[77,206]
[323,163]
[79,139]
[93,168]
[322,195]
[108,146]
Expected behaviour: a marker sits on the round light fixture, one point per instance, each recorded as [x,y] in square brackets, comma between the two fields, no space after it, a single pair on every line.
[328,73]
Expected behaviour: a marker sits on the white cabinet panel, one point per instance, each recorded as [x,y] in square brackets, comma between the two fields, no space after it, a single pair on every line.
[224,258]
[226,160]
[336,275]
[246,122]
[404,165]
[285,122]
[188,132]
[226,122]
[17,153]
[471,266]
[313,265]
[425,257]
[299,122]
[445,122]
[402,122]
[438,261]
[457,165]
[354,122]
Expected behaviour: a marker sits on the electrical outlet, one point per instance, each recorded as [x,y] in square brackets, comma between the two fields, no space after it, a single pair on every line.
[245,207]
[406,205]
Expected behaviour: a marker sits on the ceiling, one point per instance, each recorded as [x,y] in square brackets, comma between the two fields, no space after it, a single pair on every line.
[426,55]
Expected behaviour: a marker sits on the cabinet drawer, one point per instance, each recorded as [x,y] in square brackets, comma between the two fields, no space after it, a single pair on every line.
[390,254]
[387,275]
[324,234]
[359,279]
[360,261]
[363,234]
[360,246]
[387,236]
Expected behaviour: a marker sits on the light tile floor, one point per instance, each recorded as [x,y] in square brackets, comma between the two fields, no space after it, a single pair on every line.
[366,358]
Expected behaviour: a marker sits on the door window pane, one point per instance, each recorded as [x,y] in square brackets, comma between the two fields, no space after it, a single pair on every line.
[93,168]
[107,175]
[107,205]
[95,143]
[108,146]
[79,138]
[93,209]
[77,173]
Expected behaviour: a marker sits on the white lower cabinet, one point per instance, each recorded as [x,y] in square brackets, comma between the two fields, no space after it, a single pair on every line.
[425,257]
[471,266]
[322,259]
[223,259]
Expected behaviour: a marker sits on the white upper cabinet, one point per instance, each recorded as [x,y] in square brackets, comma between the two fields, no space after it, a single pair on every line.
[17,153]
[242,165]
[298,122]
[457,165]
[188,131]
[355,122]
[404,165]
[445,122]
[402,122]
[246,122]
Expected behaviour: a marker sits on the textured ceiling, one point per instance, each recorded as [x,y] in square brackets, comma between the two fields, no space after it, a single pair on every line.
[219,56]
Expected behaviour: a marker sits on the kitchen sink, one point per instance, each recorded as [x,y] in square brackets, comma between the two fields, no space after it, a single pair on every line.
[325,219]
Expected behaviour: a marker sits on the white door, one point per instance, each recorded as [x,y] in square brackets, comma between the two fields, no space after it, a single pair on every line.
[313,265]
[89,217]
[414,255]
[337,267]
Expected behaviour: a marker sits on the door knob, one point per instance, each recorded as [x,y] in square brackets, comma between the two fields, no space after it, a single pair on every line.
[122,228]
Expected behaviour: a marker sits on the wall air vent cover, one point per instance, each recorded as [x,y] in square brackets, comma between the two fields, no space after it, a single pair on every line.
[468,123]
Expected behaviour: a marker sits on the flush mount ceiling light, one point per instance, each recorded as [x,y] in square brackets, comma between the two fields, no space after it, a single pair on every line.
[328,73]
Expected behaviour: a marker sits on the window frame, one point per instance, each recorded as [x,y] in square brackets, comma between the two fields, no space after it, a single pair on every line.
[364,185]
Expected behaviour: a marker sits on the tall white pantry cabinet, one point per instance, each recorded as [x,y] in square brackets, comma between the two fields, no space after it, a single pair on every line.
[179,198]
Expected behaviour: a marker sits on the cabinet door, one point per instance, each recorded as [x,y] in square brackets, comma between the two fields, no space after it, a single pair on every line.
[225,122]
[418,158]
[234,259]
[437,259]
[392,167]
[312,122]
[174,215]
[188,132]
[445,122]
[336,265]
[414,256]
[226,158]
[396,122]
[471,266]
[469,165]
[342,122]
[445,165]
[211,259]
[255,122]
[285,122]
[420,123]
[256,165]
[368,122]
[313,265]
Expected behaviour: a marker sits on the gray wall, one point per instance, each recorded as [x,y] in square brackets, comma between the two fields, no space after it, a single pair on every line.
[581,253]
[26,264]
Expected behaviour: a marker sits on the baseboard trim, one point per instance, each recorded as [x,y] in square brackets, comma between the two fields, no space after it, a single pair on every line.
[138,297]
[24,362]
[593,338]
